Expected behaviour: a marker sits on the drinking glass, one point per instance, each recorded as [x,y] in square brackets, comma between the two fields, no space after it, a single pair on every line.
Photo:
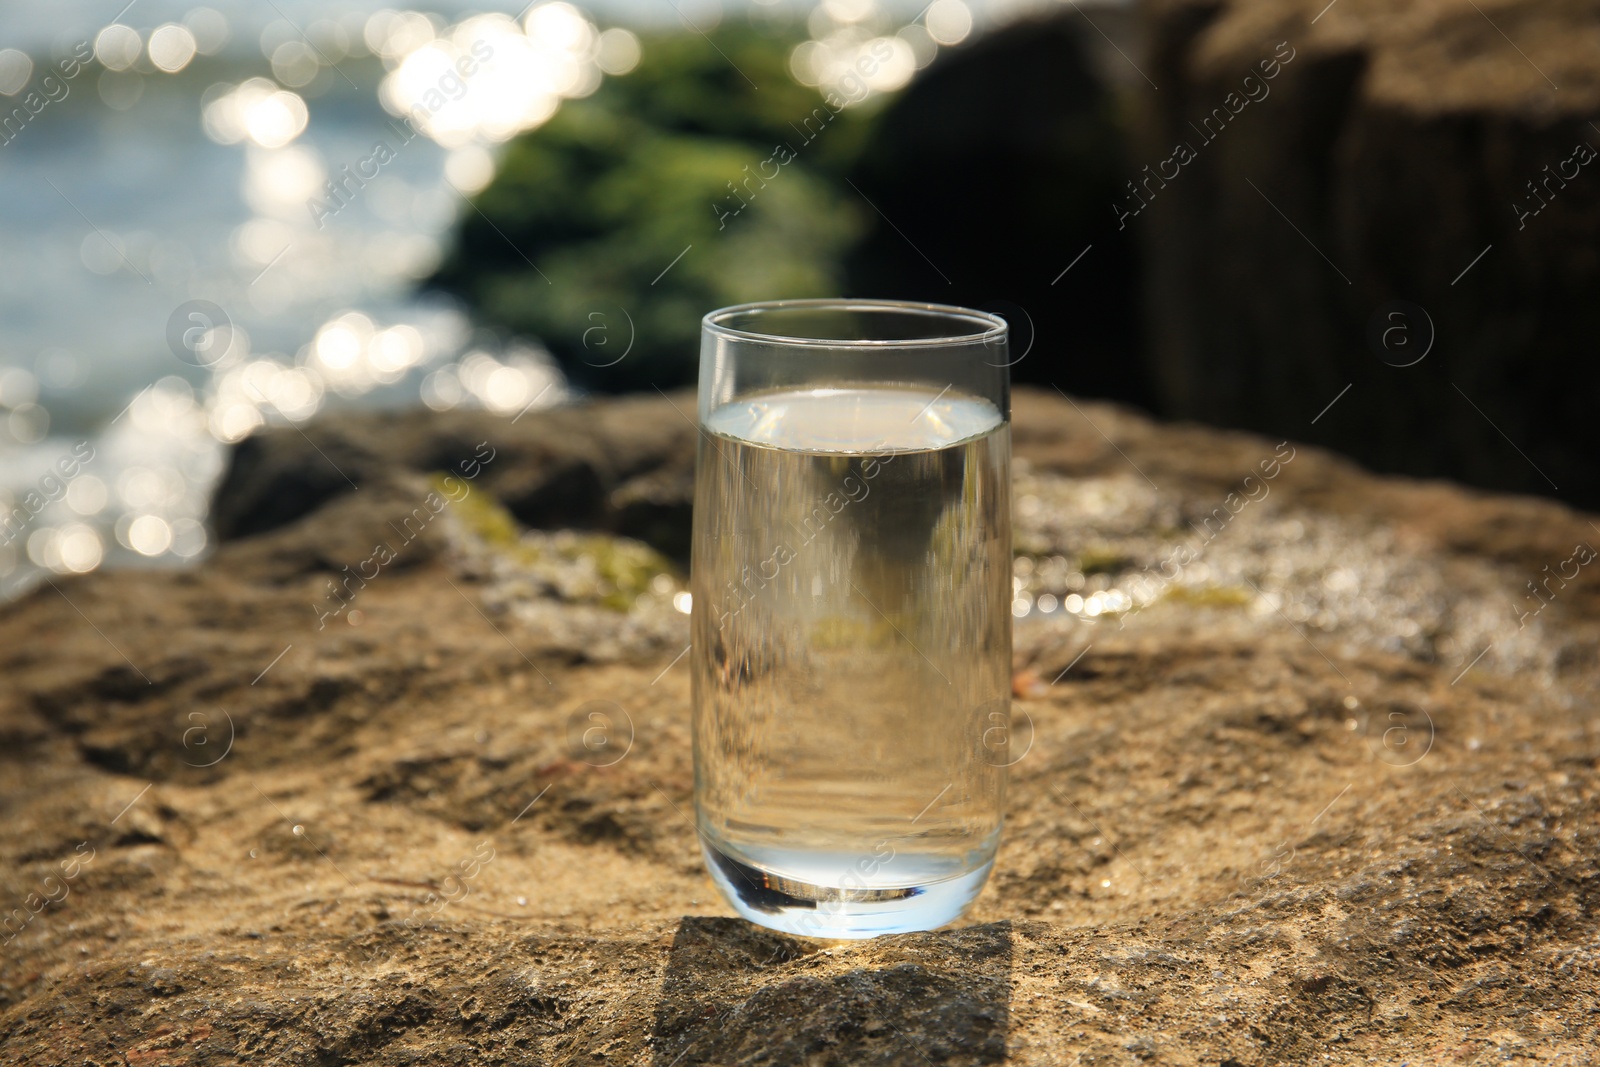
[851,616]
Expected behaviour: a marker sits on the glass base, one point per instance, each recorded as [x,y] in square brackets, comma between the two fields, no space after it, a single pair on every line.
[799,906]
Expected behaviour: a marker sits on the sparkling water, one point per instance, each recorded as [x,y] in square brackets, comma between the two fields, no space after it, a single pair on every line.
[852,654]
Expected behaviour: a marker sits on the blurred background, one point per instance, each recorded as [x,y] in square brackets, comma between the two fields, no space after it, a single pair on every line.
[1369,226]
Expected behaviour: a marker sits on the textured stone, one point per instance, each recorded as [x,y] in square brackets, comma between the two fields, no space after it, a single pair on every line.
[1254,818]
[1399,145]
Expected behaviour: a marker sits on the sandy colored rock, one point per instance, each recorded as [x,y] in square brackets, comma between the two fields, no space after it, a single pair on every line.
[1328,795]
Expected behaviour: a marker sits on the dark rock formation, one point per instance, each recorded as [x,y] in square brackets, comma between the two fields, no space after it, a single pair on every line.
[596,468]
[1328,794]
[708,177]
[990,176]
[1410,182]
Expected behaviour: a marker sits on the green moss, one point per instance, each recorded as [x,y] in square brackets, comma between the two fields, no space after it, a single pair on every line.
[572,240]
[621,568]
[483,516]
[625,567]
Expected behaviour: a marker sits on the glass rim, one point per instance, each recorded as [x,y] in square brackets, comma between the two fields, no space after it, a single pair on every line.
[993,327]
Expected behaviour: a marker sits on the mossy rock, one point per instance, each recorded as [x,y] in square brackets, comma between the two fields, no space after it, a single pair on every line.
[610,230]
[481,514]
[620,569]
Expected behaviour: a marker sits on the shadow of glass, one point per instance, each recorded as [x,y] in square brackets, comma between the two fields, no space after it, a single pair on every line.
[736,993]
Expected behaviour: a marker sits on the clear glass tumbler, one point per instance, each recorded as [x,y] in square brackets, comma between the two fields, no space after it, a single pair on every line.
[851,611]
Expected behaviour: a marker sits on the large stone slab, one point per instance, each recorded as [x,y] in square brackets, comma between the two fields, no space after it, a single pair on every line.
[1327,793]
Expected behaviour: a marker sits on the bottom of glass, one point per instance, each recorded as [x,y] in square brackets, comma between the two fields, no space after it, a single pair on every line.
[797,905]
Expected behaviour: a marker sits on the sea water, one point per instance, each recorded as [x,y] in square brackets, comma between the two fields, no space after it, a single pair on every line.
[852,654]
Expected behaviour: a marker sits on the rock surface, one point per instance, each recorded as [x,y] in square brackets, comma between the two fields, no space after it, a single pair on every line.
[1420,151]
[1326,794]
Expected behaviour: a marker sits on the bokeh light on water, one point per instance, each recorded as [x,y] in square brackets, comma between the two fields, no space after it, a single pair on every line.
[211,174]
[133,493]
[317,220]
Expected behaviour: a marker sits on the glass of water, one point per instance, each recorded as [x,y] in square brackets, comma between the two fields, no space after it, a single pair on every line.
[851,611]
